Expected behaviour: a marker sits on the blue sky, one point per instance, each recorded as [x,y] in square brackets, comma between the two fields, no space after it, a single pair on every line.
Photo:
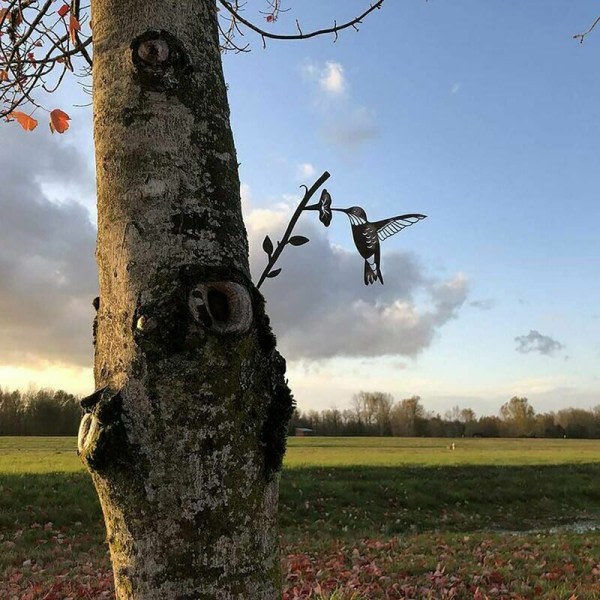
[482,115]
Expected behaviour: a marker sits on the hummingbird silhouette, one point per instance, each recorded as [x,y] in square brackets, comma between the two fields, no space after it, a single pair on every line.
[367,237]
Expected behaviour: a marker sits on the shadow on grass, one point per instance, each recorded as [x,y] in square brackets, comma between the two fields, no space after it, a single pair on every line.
[366,501]
[336,502]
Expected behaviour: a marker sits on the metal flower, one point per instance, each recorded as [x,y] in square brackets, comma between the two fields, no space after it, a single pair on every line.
[324,208]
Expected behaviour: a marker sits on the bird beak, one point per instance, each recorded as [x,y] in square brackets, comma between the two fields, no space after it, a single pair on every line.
[344,210]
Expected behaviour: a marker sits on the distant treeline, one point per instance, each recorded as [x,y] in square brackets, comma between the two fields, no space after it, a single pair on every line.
[49,412]
[378,414]
[42,412]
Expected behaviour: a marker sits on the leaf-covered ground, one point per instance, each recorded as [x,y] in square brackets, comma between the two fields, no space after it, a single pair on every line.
[410,529]
[432,565]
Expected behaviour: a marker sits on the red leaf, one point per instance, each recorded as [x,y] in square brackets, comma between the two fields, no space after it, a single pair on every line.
[74,27]
[27,122]
[63,10]
[59,121]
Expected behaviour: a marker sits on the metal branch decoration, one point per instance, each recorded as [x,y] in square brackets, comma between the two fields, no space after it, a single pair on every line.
[367,235]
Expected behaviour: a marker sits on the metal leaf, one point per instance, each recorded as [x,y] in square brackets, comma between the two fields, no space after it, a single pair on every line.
[268,245]
[298,240]
[274,273]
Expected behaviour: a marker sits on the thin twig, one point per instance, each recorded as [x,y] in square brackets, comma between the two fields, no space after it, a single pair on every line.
[299,36]
[581,36]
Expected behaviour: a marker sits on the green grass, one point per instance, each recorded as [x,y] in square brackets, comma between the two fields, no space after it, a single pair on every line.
[403,505]
[395,452]
[20,455]
[57,454]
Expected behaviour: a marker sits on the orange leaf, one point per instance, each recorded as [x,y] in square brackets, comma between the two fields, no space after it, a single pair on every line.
[3,75]
[27,122]
[59,121]
[63,10]
[74,27]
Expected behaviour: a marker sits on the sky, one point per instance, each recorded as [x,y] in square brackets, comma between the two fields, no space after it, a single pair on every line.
[481,115]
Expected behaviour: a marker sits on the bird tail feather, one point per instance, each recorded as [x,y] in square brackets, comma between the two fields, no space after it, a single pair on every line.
[371,275]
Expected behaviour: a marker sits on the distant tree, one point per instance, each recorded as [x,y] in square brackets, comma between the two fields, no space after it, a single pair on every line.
[39,412]
[406,417]
[518,414]
[467,415]
[373,410]
[11,413]
[578,423]
[485,427]
[331,422]
[545,426]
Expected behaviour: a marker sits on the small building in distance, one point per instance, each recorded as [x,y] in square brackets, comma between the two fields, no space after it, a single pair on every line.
[304,432]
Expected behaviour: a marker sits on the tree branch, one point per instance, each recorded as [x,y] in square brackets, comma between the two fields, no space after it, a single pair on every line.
[300,35]
[581,36]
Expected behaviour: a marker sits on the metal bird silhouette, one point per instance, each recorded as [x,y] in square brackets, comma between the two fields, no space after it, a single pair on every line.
[367,236]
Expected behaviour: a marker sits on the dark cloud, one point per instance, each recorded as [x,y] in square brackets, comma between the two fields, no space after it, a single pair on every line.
[47,269]
[320,307]
[534,341]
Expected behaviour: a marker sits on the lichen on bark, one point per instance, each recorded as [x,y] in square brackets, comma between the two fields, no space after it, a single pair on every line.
[186,433]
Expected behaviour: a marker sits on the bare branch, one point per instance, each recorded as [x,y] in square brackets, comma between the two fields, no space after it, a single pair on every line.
[581,36]
[34,53]
[234,11]
[40,42]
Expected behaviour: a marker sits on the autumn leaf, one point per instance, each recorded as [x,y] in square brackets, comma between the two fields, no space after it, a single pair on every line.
[3,75]
[74,27]
[27,122]
[63,10]
[59,121]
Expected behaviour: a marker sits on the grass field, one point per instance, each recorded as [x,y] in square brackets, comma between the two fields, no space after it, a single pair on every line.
[361,518]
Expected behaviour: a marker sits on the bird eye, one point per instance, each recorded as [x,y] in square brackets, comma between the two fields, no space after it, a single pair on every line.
[221,306]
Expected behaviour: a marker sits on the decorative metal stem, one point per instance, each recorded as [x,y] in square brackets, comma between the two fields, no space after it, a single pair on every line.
[268,245]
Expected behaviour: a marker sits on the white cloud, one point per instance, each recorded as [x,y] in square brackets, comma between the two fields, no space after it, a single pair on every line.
[346,124]
[320,307]
[331,78]
[306,170]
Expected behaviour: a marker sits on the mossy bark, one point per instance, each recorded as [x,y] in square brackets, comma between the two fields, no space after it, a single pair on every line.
[186,431]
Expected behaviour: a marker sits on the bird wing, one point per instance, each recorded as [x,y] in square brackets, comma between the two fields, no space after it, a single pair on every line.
[389,227]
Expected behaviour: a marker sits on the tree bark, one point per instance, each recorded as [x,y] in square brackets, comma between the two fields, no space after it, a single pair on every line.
[185,433]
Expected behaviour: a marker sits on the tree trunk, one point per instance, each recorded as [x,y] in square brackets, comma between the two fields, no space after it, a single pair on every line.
[185,433]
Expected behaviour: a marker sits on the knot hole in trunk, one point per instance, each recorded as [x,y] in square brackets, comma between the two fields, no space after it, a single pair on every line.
[221,306]
[160,59]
